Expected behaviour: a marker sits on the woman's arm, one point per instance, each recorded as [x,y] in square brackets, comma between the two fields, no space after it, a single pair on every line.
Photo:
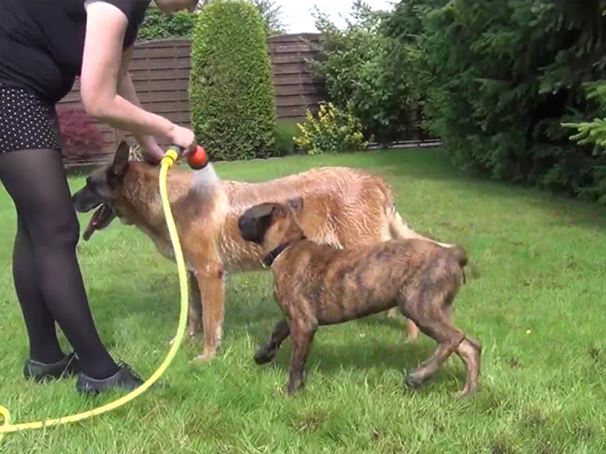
[125,84]
[126,89]
[101,74]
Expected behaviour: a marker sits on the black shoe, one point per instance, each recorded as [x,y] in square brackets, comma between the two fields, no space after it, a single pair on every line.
[124,379]
[39,372]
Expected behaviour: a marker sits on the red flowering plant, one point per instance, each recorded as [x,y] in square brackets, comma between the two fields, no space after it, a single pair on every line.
[81,135]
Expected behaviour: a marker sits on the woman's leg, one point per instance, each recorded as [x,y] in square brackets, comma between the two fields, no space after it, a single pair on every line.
[43,344]
[36,181]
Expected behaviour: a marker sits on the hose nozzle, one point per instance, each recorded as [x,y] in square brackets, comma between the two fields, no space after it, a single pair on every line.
[196,160]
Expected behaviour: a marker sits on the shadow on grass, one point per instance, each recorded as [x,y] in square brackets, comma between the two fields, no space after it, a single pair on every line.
[256,319]
[367,353]
[329,360]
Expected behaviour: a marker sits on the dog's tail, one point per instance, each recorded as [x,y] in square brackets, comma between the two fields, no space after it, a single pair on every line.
[400,230]
[459,255]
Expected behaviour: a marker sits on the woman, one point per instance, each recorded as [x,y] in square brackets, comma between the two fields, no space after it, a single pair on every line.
[44,45]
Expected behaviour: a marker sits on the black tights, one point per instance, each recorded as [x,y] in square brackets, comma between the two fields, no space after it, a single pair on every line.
[47,276]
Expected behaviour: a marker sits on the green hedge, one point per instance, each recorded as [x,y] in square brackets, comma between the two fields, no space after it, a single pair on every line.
[231,91]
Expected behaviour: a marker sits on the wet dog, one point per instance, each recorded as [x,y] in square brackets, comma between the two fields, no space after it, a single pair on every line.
[344,207]
[316,284]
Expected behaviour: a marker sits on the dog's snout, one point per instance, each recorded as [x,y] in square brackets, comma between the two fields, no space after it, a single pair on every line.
[84,202]
[247,228]
[241,224]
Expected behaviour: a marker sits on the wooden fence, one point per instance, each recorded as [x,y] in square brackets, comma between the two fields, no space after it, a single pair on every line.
[160,72]
[296,90]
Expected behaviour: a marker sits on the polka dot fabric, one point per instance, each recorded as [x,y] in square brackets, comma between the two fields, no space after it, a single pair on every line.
[26,122]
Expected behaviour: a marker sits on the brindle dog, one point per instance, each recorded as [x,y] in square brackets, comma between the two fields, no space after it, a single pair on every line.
[316,284]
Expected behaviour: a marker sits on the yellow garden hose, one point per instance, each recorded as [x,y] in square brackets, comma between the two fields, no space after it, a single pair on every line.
[6,426]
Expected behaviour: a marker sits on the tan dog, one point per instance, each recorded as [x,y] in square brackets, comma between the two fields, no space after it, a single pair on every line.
[345,207]
[316,284]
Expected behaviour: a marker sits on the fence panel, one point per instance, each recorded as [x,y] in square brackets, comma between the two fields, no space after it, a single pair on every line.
[160,72]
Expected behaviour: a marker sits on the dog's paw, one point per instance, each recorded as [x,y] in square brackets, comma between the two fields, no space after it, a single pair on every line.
[264,356]
[466,393]
[205,357]
[193,332]
[296,382]
[413,380]
[293,389]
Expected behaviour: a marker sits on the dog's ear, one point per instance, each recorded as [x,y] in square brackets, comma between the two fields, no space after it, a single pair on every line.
[295,205]
[120,164]
[278,211]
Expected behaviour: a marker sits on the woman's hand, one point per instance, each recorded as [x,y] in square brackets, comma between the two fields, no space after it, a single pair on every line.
[184,138]
[152,152]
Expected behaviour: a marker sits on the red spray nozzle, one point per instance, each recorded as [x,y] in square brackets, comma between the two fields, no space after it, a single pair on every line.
[198,159]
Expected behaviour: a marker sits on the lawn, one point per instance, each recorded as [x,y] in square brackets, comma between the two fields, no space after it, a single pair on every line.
[534,297]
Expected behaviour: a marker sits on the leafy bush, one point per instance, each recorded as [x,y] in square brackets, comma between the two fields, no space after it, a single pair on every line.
[285,137]
[366,72]
[333,131]
[499,78]
[158,25]
[271,13]
[81,136]
[231,91]
[593,132]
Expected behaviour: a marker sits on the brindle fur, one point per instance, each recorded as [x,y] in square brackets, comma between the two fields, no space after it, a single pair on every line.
[316,284]
[344,207]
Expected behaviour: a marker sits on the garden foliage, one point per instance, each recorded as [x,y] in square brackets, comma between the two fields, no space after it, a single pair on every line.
[231,91]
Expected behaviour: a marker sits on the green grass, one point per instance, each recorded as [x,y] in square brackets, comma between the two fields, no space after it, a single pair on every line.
[534,298]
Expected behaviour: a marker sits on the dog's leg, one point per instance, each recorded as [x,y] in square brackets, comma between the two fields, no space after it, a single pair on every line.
[212,290]
[194,321]
[302,335]
[430,318]
[194,316]
[393,313]
[267,353]
[470,351]
[412,331]
[429,367]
